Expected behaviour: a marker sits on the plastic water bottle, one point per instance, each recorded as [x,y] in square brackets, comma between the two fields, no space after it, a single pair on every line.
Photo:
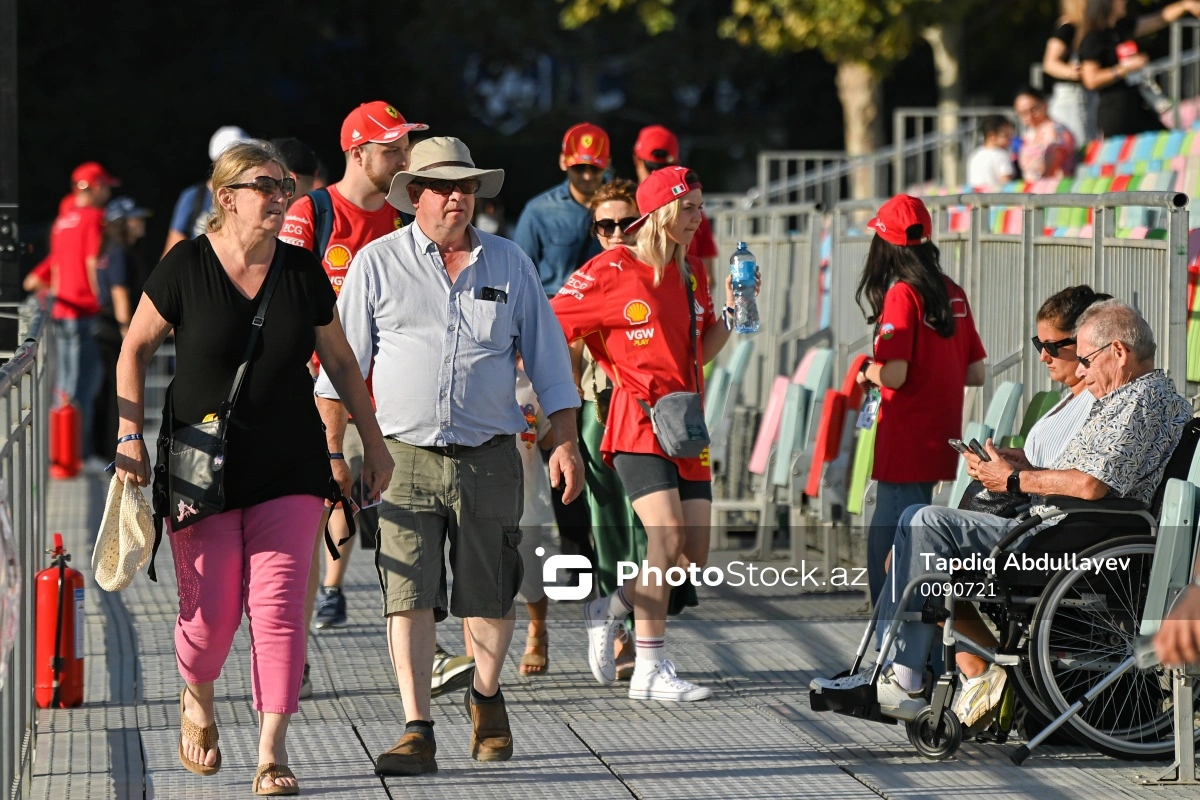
[743,268]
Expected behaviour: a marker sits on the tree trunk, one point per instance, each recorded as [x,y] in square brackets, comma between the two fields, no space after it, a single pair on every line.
[946,40]
[860,92]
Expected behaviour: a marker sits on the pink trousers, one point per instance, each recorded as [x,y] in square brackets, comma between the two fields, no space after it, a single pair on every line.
[257,559]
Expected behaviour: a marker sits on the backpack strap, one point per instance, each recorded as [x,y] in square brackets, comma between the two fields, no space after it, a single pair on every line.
[322,205]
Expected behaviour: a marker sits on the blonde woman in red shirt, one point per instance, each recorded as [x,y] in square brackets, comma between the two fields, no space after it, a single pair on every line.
[634,309]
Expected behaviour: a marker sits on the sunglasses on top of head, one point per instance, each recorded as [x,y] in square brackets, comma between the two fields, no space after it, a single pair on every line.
[267,186]
[606,227]
[446,188]
[1052,348]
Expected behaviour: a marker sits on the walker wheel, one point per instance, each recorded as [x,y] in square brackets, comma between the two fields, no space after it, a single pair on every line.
[922,732]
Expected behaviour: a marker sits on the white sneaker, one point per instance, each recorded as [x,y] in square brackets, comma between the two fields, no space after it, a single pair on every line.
[980,695]
[601,631]
[858,679]
[895,701]
[662,683]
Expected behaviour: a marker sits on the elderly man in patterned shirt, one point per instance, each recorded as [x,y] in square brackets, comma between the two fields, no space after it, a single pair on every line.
[1121,451]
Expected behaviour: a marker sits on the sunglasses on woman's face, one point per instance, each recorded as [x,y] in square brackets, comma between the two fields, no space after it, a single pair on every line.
[606,227]
[1052,348]
[268,186]
[447,188]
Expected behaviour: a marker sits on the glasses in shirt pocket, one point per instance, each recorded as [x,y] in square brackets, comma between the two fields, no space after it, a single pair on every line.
[488,322]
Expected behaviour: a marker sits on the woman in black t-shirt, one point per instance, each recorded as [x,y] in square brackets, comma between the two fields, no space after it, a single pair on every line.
[1122,110]
[1071,105]
[257,553]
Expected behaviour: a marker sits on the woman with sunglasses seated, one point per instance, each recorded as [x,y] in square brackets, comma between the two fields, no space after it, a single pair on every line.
[1055,344]
[257,552]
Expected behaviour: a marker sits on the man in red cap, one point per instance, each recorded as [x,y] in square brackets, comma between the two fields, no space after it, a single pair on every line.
[555,228]
[657,147]
[555,231]
[75,243]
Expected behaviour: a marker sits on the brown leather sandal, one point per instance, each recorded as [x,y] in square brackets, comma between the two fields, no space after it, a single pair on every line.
[273,771]
[205,738]
[538,662]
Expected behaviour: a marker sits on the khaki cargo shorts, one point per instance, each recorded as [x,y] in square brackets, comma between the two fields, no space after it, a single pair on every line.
[474,497]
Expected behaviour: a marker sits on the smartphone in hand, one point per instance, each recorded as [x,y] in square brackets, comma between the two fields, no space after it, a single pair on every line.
[960,446]
[978,450]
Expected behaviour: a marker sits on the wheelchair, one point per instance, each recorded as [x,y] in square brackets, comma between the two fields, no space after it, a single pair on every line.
[1067,615]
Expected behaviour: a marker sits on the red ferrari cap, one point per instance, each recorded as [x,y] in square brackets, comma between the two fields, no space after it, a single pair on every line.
[92,174]
[662,187]
[377,122]
[897,216]
[586,143]
[657,145]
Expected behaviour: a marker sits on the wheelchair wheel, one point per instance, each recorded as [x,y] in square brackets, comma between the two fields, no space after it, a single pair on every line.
[1083,628]
[922,732]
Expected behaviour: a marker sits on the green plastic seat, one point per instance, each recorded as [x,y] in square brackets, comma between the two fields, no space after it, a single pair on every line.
[860,471]
[716,395]
[791,432]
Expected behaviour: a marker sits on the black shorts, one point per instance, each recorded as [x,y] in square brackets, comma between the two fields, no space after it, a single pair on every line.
[644,473]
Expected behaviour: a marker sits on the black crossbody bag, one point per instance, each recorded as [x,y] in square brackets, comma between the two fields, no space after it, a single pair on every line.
[189,480]
[678,417]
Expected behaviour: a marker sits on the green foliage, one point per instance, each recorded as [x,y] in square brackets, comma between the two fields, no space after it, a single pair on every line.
[656,15]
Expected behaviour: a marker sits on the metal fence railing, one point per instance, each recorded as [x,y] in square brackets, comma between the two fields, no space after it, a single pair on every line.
[1008,275]
[786,240]
[933,147]
[25,397]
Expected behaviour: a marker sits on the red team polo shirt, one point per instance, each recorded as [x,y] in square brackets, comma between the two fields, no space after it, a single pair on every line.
[77,235]
[353,228]
[638,333]
[917,420]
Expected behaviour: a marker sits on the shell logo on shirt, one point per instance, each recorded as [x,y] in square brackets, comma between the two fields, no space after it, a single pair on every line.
[338,256]
[637,312]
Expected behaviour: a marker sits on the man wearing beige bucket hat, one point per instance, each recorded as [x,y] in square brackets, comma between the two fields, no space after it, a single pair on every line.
[441,311]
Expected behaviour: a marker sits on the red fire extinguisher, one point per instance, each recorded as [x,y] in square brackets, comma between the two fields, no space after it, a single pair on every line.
[65,445]
[58,622]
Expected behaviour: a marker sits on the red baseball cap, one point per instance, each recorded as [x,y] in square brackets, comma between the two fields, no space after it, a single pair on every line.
[92,174]
[586,143]
[377,122]
[662,187]
[897,216]
[656,145]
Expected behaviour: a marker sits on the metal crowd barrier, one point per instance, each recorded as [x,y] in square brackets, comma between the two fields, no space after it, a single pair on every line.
[786,240]
[1008,276]
[25,397]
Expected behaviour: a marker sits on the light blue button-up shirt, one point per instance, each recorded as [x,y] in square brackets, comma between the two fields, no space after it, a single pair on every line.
[444,357]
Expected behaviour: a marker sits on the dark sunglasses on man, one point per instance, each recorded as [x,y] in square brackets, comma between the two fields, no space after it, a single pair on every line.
[268,186]
[1052,348]
[447,188]
[606,227]
[1087,360]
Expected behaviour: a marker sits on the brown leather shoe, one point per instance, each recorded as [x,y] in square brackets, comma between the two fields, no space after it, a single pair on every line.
[412,755]
[491,738]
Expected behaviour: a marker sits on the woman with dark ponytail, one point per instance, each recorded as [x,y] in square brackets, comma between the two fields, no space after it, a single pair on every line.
[926,351]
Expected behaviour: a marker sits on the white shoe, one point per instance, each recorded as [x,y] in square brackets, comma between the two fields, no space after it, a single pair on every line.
[855,681]
[662,683]
[895,701]
[601,631]
[980,695]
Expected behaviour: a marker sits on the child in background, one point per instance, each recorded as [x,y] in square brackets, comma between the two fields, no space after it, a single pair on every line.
[991,166]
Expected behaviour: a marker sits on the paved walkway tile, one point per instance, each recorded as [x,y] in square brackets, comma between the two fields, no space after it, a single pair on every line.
[757,738]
